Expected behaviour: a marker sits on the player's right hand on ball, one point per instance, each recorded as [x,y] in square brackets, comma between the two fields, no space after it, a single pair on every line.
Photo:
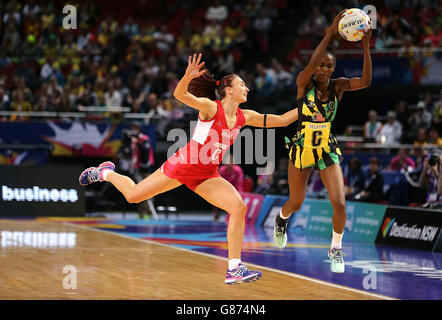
[334,26]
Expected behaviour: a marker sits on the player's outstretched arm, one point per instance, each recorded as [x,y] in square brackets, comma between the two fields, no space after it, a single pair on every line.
[345,84]
[304,76]
[256,119]
[181,93]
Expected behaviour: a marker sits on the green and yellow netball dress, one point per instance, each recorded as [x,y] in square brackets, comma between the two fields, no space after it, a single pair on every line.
[313,144]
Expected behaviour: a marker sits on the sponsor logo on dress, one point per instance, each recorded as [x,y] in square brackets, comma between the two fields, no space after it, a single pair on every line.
[318,117]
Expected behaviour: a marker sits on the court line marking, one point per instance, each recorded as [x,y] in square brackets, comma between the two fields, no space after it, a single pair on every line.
[290,274]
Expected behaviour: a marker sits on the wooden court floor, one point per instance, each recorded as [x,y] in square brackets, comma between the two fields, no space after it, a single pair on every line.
[52,260]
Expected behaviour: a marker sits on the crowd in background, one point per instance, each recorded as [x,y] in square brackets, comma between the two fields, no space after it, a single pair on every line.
[401,24]
[418,125]
[132,59]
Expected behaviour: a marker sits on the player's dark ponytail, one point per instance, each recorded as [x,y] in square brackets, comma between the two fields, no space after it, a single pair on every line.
[206,85]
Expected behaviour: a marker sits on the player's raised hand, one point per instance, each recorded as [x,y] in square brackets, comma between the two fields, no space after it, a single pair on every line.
[367,37]
[334,26]
[194,66]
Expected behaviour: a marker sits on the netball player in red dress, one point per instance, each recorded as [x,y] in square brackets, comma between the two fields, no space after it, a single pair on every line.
[196,164]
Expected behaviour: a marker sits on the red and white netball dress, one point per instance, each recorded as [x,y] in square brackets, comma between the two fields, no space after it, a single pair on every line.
[200,158]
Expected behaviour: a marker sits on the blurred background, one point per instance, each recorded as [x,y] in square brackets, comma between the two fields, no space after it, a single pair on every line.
[73,98]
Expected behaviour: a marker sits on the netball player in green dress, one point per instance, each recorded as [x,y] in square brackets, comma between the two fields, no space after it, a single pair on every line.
[313,146]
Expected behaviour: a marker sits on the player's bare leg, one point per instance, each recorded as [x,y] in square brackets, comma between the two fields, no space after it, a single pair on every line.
[297,181]
[333,180]
[220,193]
[154,184]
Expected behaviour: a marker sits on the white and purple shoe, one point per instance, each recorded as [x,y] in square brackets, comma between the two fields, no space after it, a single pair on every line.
[242,275]
[95,174]
[337,264]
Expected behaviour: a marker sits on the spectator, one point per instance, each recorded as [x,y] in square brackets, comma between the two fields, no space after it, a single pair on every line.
[171,85]
[5,61]
[112,97]
[31,8]
[283,79]
[428,101]
[263,23]
[65,102]
[155,107]
[119,86]
[419,154]
[151,67]
[54,100]
[54,86]
[130,28]
[136,96]
[421,138]
[402,113]
[263,82]
[372,127]
[19,103]
[383,41]
[46,71]
[407,50]
[217,12]
[437,110]
[264,184]
[11,40]
[421,118]
[226,63]
[402,161]
[5,102]
[86,99]
[12,15]
[434,137]
[30,49]
[163,39]
[280,178]
[374,185]
[265,180]
[428,48]
[439,181]
[175,110]
[48,17]
[83,39]
[391,131]
[355,179]
[42,104]
[430,179]
[108,24]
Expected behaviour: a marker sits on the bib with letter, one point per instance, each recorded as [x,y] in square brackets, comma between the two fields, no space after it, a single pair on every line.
[316,134]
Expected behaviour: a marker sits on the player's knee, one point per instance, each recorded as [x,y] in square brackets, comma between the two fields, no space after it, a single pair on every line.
[339,206]
[241,208]
[131,198]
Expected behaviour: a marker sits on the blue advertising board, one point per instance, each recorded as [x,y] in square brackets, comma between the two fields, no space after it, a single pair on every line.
[315,218]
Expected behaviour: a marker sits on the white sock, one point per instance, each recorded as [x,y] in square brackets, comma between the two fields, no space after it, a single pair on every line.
[105,172]
[337,240]
[281,216]
[233,263]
